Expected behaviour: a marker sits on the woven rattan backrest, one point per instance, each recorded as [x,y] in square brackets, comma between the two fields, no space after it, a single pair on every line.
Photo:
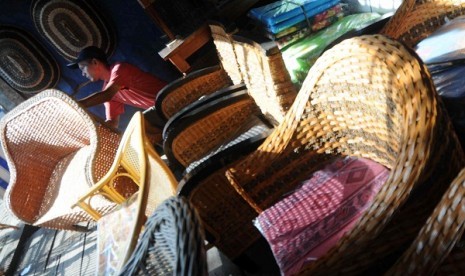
[208,127]
[416,19]
[184,91]
[265,75]
[367,97]
[35,136]
[225,49]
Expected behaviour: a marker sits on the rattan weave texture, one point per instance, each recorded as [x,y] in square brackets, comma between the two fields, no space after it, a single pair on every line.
[369,97]
[225,49]
[172,243]
[416,19]
[265,75]
[184,91]
[438,248]
[208,127]
[55,152]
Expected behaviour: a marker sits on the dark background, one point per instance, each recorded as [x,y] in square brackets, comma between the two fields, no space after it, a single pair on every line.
[138,41]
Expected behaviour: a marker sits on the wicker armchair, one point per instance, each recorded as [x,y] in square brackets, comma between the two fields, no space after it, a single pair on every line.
[55,151]
[208,128]
[367,97]
[186,90]
[416,19]
[130,164]
[265,74]
[172,242]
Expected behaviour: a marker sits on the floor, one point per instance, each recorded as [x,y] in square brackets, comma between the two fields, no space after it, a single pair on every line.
[52,252]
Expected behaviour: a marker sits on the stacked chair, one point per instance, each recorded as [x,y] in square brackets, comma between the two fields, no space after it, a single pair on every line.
[367,97]
[188,89]
[414,20]
[254,104]
[55,150]
[137,161]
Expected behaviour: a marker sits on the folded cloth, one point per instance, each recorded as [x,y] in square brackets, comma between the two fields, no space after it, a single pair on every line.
[279,11]
[307,223]
[315,27]
[314,20]
[278,16]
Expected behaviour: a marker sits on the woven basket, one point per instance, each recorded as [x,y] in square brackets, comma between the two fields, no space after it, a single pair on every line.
[265,75]
[172,242]
[414,20]
[186,90]
[366,97]
[55,152]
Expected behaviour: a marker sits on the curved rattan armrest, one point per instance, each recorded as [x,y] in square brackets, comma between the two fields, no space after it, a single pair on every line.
[185,90]
[437,247]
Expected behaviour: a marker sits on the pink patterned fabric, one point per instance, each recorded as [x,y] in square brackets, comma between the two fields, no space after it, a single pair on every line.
[307,223]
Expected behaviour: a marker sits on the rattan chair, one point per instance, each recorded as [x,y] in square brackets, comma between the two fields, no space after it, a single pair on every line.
[416,19]
[186,90]
[55,151]
[207,128]
[221,208]
[172,242]
[130,163]
[367,97]
[265,75]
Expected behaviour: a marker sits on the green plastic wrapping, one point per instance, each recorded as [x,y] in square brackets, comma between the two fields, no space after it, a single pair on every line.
[300,56]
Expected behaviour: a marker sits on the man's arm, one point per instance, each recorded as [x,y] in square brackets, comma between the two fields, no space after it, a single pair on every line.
[113,122]
[100,97]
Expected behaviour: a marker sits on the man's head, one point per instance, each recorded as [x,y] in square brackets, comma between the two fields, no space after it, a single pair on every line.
[91,60]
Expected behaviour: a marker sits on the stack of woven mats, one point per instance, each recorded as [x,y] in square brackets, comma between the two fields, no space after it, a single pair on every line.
[286,21]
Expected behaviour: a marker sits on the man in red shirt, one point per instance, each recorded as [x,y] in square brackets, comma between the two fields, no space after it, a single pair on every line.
[123,84]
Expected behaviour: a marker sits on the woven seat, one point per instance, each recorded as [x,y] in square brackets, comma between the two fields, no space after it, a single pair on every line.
[265,74]
[172,242]
[208,127]
[414,20]
[55,151]
[367,97]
